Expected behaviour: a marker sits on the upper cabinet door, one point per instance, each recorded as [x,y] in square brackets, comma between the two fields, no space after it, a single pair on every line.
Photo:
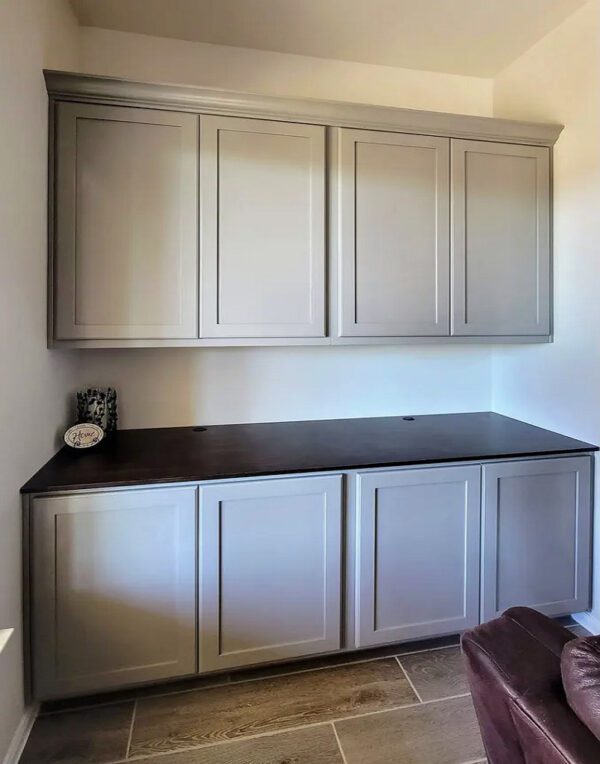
[500,239]
[262,220]
[391,232]
[125,264]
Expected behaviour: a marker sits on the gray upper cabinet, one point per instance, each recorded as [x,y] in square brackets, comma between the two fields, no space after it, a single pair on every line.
[125,246]
[500,239]
[418,553]
[536,536]
[390,234]
[262,222]
[114,589]
[270,570]
[265,221]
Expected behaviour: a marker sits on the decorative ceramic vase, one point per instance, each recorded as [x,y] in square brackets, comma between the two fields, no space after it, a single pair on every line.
[98,405]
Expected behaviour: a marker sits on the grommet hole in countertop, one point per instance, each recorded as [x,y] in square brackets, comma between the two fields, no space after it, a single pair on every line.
[408,418]
[198,429]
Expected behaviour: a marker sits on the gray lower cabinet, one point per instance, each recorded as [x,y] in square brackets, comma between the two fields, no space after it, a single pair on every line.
[135,585]
[114,589]
[536,536]
[418,553]
[270,570]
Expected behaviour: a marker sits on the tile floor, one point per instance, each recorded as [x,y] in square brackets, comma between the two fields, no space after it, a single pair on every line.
[389,706]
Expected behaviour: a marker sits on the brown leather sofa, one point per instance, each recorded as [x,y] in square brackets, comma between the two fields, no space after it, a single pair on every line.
[531,709]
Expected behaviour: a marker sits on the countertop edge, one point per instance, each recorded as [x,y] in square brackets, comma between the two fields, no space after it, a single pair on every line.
[27,489]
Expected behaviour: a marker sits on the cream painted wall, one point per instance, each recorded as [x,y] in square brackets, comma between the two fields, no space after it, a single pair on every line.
[171,387]
[33,380]
[158,59]
[552,385]
[185,386]
[557,386]
[177,387]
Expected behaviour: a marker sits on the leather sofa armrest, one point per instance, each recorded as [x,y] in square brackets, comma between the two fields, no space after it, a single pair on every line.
[580,666]
[550,733]
[521,650]
[545,631]
[516,654]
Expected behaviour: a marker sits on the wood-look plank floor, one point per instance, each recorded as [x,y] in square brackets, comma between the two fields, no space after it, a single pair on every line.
[437,673]
[444,732]
[267,705]
[311,745]
[94,735]
[294,714]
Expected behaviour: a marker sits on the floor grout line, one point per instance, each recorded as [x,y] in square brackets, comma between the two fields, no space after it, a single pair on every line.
[409,680]
[234,682]
[131,729]
[295,728]
[339,742]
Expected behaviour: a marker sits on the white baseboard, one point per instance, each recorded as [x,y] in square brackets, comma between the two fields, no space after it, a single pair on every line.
[588,621]
[17,744]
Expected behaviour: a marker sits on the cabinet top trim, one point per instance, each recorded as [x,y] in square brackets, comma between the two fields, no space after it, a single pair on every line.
[109,90]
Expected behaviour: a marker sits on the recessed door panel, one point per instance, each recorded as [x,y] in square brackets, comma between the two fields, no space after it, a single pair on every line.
[536,536]
[126,254]
[263,228]
[500,239]
[418,553]
[270,570]
[392,201]
[114,590]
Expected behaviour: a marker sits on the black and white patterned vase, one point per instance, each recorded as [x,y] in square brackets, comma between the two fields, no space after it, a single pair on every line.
[98,405]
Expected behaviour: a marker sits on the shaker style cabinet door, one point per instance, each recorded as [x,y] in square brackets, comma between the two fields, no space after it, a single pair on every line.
[391,234]
[262,222]
[536,536]
[418,553]
[270,570]
[125,254]
[113,589]
[500,239]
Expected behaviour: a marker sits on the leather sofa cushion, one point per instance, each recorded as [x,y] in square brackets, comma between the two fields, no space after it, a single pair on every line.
[580,668]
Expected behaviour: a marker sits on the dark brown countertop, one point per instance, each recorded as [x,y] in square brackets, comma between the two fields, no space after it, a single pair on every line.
[173,454]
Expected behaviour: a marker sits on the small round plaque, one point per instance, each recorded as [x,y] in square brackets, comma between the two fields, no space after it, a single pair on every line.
[83,435]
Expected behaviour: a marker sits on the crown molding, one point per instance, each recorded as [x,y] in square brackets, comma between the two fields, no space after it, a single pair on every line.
[67,86]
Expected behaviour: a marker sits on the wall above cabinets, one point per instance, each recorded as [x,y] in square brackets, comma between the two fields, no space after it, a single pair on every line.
[191,217]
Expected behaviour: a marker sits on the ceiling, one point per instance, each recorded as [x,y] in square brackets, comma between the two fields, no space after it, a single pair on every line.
[476,37]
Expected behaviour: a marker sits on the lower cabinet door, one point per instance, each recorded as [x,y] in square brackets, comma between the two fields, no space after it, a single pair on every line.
[270,570]
[418,553]
[113,589]
[536,536]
